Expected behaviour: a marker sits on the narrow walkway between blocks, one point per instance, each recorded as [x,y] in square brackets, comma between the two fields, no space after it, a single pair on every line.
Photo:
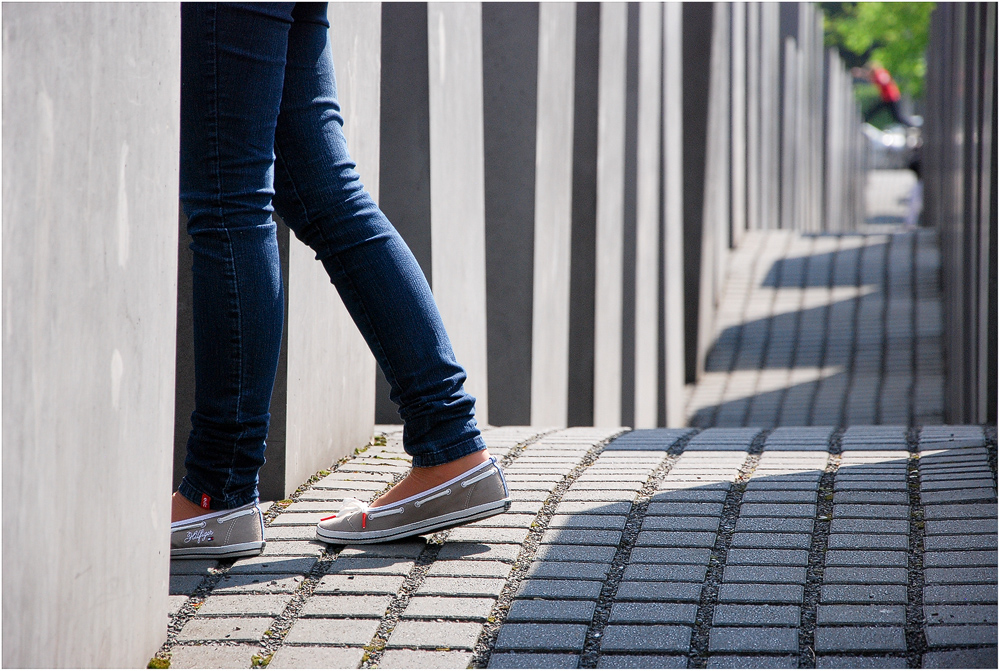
[805,547]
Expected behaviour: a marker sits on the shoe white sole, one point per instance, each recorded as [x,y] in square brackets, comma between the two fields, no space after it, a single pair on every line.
[225,552]
[427,526]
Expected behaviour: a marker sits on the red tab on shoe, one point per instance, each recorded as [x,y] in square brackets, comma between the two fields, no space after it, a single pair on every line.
[206,501]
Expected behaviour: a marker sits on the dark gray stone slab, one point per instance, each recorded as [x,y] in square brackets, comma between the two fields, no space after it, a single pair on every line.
[768,557]
[666,572]
[959,594]
[756,615]
[593,508]
[515,660]
[671,556]
[893,485]
[642,662]
[983,494]
[836,662]
[547,637]
[979,658]
[779,496]
[858,526]
[753,639]
[853,575]
[863,594]
[961,511]
[960,559]
[952,635]
[580,537]
[664,523]
[654,613]
[887,498]
[613,522]
[868,542]
[653,591]
[752,662]
[963,542]
[559,589]
[539,610]
[690,496]
[775,524]
[860,615]
[751,593]
[860,639]
[685,508]
[890,558]
[957,576]
[778,510]
[676,539]
[772,541]
[569,570]
[871,512]
[646,638]
[964,614]
[765,574]
[935,485]
[949,527]
[576,553]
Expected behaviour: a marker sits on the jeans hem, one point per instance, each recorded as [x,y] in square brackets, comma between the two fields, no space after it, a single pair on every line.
[450,453]
[194,494]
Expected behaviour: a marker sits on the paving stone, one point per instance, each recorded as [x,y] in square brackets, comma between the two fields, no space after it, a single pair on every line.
[858,526]
[487,535]
[424,634]
[984,574]
[865,576]
[755,615]
[425,659]
[652,591]
[772,540]
[539,610]
[690,496]
[651,523]
[765,483]
[768,557]
[960,559]
[274,565]
[929,498]
[650,555]
[199,567]
[868,542]
[246,583]
[765,574]
[241,629]
[471,587]
[332,631]
[480,569]
[979,658]
[949,527]
[359,606]
[890,558]
[645,638]
[653,613]
[293,548]
[774,525]
[964,614]
[960,511]
[554,637]
[315,657]
[371,565]
[935,485]
[665,572]
[185,585]
[212,656]
[359,584]
[964,542]
[778,510]
[403,549]
[244,605]
[753,639]
[594,508]
[863,594]
[871,511]
[781,496]
[879,497]
[492,551]
[569,570]
[750,593]
[559,589]
[835,662]
[576,553]
[860,614]
[580,537]
[612,522]
[447,608]
[175,603]
[676,539]
[706,509]
[936,594]
[752,662]
[514,660]
[642,662]
[860,639]
[598,495]
[947,636]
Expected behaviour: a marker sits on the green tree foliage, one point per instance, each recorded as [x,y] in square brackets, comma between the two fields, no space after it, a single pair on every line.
[893,34]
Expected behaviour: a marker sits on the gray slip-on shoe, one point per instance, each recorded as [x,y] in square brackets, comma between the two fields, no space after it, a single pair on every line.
[479,492]
[223,534]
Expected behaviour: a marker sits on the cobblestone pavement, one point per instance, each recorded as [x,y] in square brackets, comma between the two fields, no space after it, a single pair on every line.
[827,329]
[870,547]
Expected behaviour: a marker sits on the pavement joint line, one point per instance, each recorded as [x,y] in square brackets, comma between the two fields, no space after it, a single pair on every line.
[486,642]
[816,567]
[698,651]
[415,578]
[916,638]
[633,524]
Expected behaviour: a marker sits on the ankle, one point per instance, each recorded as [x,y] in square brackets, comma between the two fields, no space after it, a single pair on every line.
[183,509]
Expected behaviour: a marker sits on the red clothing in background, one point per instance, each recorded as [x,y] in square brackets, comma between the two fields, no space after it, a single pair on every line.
[887,87]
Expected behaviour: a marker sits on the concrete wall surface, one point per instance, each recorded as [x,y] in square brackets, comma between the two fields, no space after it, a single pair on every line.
[90,134]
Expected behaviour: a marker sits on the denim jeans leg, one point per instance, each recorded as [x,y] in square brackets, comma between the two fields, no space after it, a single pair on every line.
[232,71]
[320,195]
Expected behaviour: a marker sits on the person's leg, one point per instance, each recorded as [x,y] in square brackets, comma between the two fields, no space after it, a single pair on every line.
[232,70]
[321,198]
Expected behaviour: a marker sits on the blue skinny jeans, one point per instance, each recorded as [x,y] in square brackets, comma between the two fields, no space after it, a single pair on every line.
[261,131]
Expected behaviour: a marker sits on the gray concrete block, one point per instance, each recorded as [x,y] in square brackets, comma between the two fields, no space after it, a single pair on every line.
[468,587]
[863,526]
[772,541]
[448,608]
[652,591]
[962,542]
[245,605]
[774,525]
[424,634]
[860,639]
[947,636]
[642,662]
[479,551]
[863,594]
[425,659]
[753,639]
[965,614]
[752,593]
[577,537]
[779,496]
[593,508]
[554,637]
[568,570]
[765,574]
[559,589]
[976,658]
[650,555]
[940,594]
[543,610]
[239,629]
[614,522]
[259,583]
[459,568]
[755,615]
[325,631]
[986,575]
[210,656]
[751,662]
[645,638]
[860,615]
[515,660]
[888,558]
[768,557]
[665,572]
[651,523]
[836,662]
[865,576]
[867,542]
[653,613]
[778,510]
[872,511]
[959,559]
[690,496]
[684,509]
[314,657]
[576,553]
[676,539]
[359,584]
[948,527]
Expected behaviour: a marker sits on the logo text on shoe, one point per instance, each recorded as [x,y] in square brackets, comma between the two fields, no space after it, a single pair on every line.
[200,536]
